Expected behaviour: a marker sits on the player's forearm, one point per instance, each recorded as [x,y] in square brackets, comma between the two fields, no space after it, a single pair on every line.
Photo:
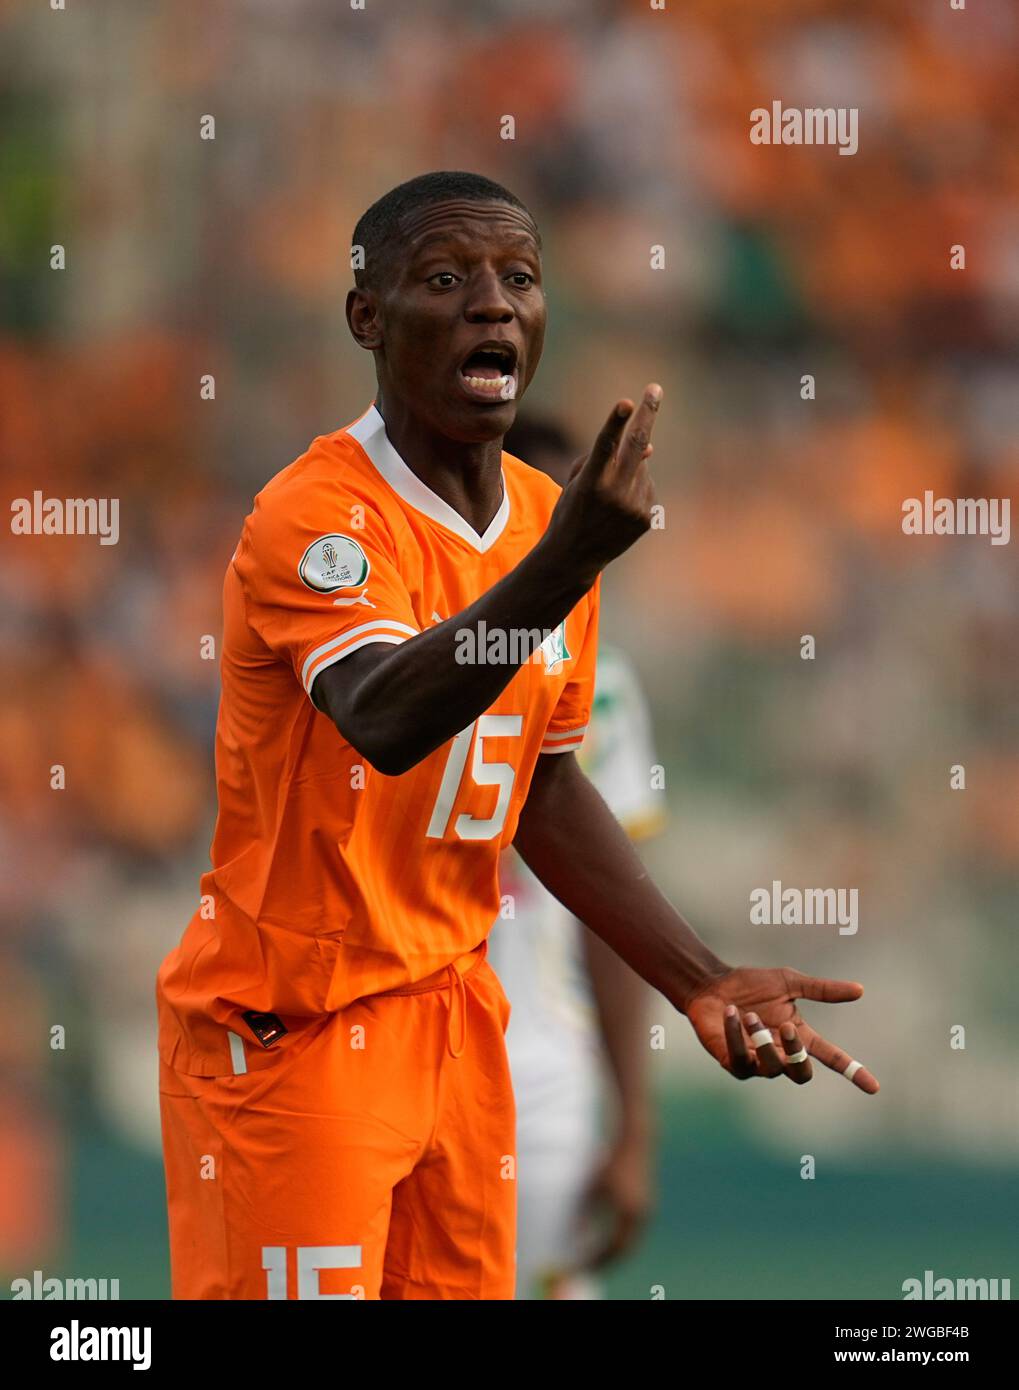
[569,838]
[621,998]
[407,700]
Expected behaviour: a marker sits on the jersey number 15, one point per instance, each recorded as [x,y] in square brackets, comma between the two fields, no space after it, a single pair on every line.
[483,774]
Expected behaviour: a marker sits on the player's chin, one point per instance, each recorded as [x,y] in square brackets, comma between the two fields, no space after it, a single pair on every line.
[478,422]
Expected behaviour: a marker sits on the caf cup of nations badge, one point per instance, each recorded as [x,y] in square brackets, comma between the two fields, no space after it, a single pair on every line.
[333,562]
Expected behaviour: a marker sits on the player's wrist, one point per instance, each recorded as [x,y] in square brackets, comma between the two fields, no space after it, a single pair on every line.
[564,568]
[696,976]
[635,1130]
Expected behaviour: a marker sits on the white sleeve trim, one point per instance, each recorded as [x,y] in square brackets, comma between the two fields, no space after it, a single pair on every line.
[565,741]
[380,630]
[564,734]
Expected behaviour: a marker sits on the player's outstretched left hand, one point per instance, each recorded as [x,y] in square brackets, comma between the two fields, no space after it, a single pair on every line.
[748,1021]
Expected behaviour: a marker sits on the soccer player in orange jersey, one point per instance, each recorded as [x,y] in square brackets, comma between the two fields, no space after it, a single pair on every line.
[410,624]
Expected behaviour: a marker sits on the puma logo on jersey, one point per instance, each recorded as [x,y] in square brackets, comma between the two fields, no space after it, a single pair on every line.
[346,602]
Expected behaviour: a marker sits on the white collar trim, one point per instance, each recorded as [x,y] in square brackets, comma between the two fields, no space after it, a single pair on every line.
[370,433]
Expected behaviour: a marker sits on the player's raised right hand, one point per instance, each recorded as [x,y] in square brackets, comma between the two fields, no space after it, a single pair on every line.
[607,503]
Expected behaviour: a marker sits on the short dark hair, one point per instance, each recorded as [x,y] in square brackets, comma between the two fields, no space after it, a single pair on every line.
[379,227]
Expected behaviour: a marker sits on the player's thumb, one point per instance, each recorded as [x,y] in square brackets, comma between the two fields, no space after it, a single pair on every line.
[827,991]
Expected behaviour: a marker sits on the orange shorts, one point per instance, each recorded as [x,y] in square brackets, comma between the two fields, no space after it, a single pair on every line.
[370,1154]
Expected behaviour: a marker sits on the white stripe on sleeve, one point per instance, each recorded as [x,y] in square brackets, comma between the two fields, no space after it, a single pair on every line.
[379,630]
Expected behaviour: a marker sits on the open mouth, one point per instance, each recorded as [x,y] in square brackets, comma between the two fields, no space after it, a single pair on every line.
[489,373]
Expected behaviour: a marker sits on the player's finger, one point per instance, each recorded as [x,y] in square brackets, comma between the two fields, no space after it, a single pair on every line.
[739,1058]
[832,1056]
[796,1061]
[824,991]
[637,439]
[607,443]
[769,1063]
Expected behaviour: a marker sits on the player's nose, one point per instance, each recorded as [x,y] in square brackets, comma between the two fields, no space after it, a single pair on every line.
[487,301]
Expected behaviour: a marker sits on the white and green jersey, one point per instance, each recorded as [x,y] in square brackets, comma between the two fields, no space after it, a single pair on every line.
[553,1039]
[536,952]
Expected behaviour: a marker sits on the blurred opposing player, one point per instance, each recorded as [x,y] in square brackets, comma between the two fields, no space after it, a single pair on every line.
[576,1005]
[410,628]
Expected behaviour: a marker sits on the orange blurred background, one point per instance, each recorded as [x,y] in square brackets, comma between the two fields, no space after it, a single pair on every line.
[187,257]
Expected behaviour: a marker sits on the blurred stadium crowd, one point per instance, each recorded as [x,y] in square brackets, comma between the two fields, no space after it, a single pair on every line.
[229,257]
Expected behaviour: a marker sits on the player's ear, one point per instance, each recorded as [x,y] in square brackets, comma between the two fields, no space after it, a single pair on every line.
[363,318]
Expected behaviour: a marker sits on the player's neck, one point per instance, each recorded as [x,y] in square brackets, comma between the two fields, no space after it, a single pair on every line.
[466,476]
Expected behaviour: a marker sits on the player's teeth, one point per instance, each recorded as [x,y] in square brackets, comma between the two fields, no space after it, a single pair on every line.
[494,385]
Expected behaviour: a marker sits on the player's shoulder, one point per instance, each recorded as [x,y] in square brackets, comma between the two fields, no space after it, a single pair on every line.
[331,463]
[318,489]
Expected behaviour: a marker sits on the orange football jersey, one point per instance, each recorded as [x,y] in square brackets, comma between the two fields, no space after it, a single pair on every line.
[329,880]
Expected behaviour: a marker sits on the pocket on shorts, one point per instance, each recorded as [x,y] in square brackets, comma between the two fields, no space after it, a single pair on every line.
[193,1043]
